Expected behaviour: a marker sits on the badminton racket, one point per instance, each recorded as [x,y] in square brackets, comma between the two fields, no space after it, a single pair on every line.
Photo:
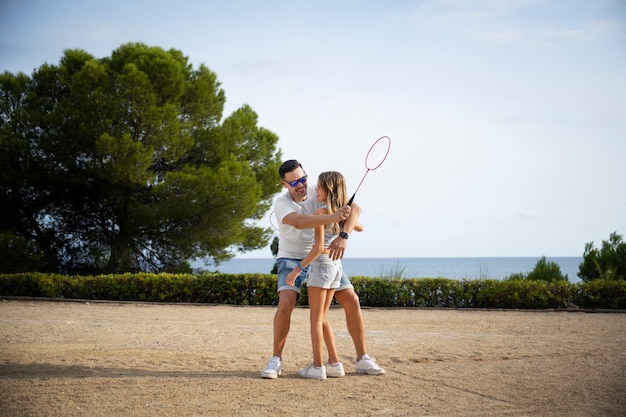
[271,222]
[374,159]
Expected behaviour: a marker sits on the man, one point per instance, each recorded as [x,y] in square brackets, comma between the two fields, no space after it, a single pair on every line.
[293,212]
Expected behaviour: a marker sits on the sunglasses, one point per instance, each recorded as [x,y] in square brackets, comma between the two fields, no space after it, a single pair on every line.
[294,184]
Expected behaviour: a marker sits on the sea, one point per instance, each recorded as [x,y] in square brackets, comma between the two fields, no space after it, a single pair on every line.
[451,268]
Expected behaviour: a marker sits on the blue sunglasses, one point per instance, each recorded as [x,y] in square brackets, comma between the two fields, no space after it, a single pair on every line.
[294,184]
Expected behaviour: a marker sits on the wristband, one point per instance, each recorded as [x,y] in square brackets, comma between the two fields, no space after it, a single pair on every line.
[299,266]
[344,235]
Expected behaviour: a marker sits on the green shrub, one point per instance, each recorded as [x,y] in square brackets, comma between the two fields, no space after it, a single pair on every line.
[245,289]
[546,271]
[516,276]
[604,294]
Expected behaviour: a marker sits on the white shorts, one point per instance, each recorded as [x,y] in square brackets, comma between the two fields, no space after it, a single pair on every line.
[324,272]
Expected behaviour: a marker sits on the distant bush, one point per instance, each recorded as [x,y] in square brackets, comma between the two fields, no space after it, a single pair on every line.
[544,270]
[517,276]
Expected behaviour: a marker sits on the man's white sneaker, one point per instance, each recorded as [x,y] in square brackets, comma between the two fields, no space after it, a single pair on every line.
[273,369]
[311,372]
[368,366]
[334,371]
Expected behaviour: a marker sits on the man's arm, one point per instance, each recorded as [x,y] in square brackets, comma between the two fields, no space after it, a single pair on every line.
[338,246]
[309,221]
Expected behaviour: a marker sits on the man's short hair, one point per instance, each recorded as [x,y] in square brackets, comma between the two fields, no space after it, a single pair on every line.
[288,166]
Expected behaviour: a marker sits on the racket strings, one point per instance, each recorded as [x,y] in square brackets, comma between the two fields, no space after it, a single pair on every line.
[379,154]
[381,150]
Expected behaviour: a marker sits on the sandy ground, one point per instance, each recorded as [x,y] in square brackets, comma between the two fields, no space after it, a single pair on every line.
[133,359]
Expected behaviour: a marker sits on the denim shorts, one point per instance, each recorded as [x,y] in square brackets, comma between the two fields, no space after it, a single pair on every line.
[324,273]
[286,265]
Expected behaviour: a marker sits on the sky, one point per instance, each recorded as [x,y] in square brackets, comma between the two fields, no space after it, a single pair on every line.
[507,118]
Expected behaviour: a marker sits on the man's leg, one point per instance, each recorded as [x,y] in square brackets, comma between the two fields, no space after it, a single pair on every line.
[349,300]
[287,297]
[282,320]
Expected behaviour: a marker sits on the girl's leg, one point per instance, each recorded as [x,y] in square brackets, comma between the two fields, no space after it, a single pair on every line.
[317,301]
[329,336]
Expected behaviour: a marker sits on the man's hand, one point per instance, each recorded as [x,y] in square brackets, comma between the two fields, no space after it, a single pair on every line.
[337,248]
[291,278]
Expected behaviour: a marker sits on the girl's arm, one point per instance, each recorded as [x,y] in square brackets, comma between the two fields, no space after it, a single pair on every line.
[318,243]
[316,250]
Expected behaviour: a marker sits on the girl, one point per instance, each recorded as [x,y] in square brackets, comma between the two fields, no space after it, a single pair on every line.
[323,277]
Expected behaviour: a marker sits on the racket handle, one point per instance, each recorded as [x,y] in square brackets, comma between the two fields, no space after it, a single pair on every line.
[351,200]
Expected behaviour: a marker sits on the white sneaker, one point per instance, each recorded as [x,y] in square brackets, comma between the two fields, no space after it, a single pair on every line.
[334,371]
[273,369]
[312,372]
[368,366]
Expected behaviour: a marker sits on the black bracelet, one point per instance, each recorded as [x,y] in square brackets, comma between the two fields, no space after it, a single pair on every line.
[344,235]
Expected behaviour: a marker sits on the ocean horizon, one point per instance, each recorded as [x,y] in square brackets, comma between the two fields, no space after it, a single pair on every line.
[452,268]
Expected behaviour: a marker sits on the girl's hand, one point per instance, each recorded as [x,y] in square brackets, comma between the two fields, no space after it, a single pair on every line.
[291,278]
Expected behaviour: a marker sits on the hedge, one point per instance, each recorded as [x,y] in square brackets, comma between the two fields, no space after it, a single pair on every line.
[260,289]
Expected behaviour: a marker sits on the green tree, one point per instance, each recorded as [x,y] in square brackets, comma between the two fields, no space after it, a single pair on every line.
[608,262]
[274,248]
[546,271]
[125,164]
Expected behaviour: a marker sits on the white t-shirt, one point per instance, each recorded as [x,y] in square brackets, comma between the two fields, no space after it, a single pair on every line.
[294,243]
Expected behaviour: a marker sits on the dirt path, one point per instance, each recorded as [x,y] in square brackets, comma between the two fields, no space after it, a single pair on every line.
[109,359]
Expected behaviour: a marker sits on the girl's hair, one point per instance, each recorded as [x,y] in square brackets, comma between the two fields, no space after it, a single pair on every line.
[336,194]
